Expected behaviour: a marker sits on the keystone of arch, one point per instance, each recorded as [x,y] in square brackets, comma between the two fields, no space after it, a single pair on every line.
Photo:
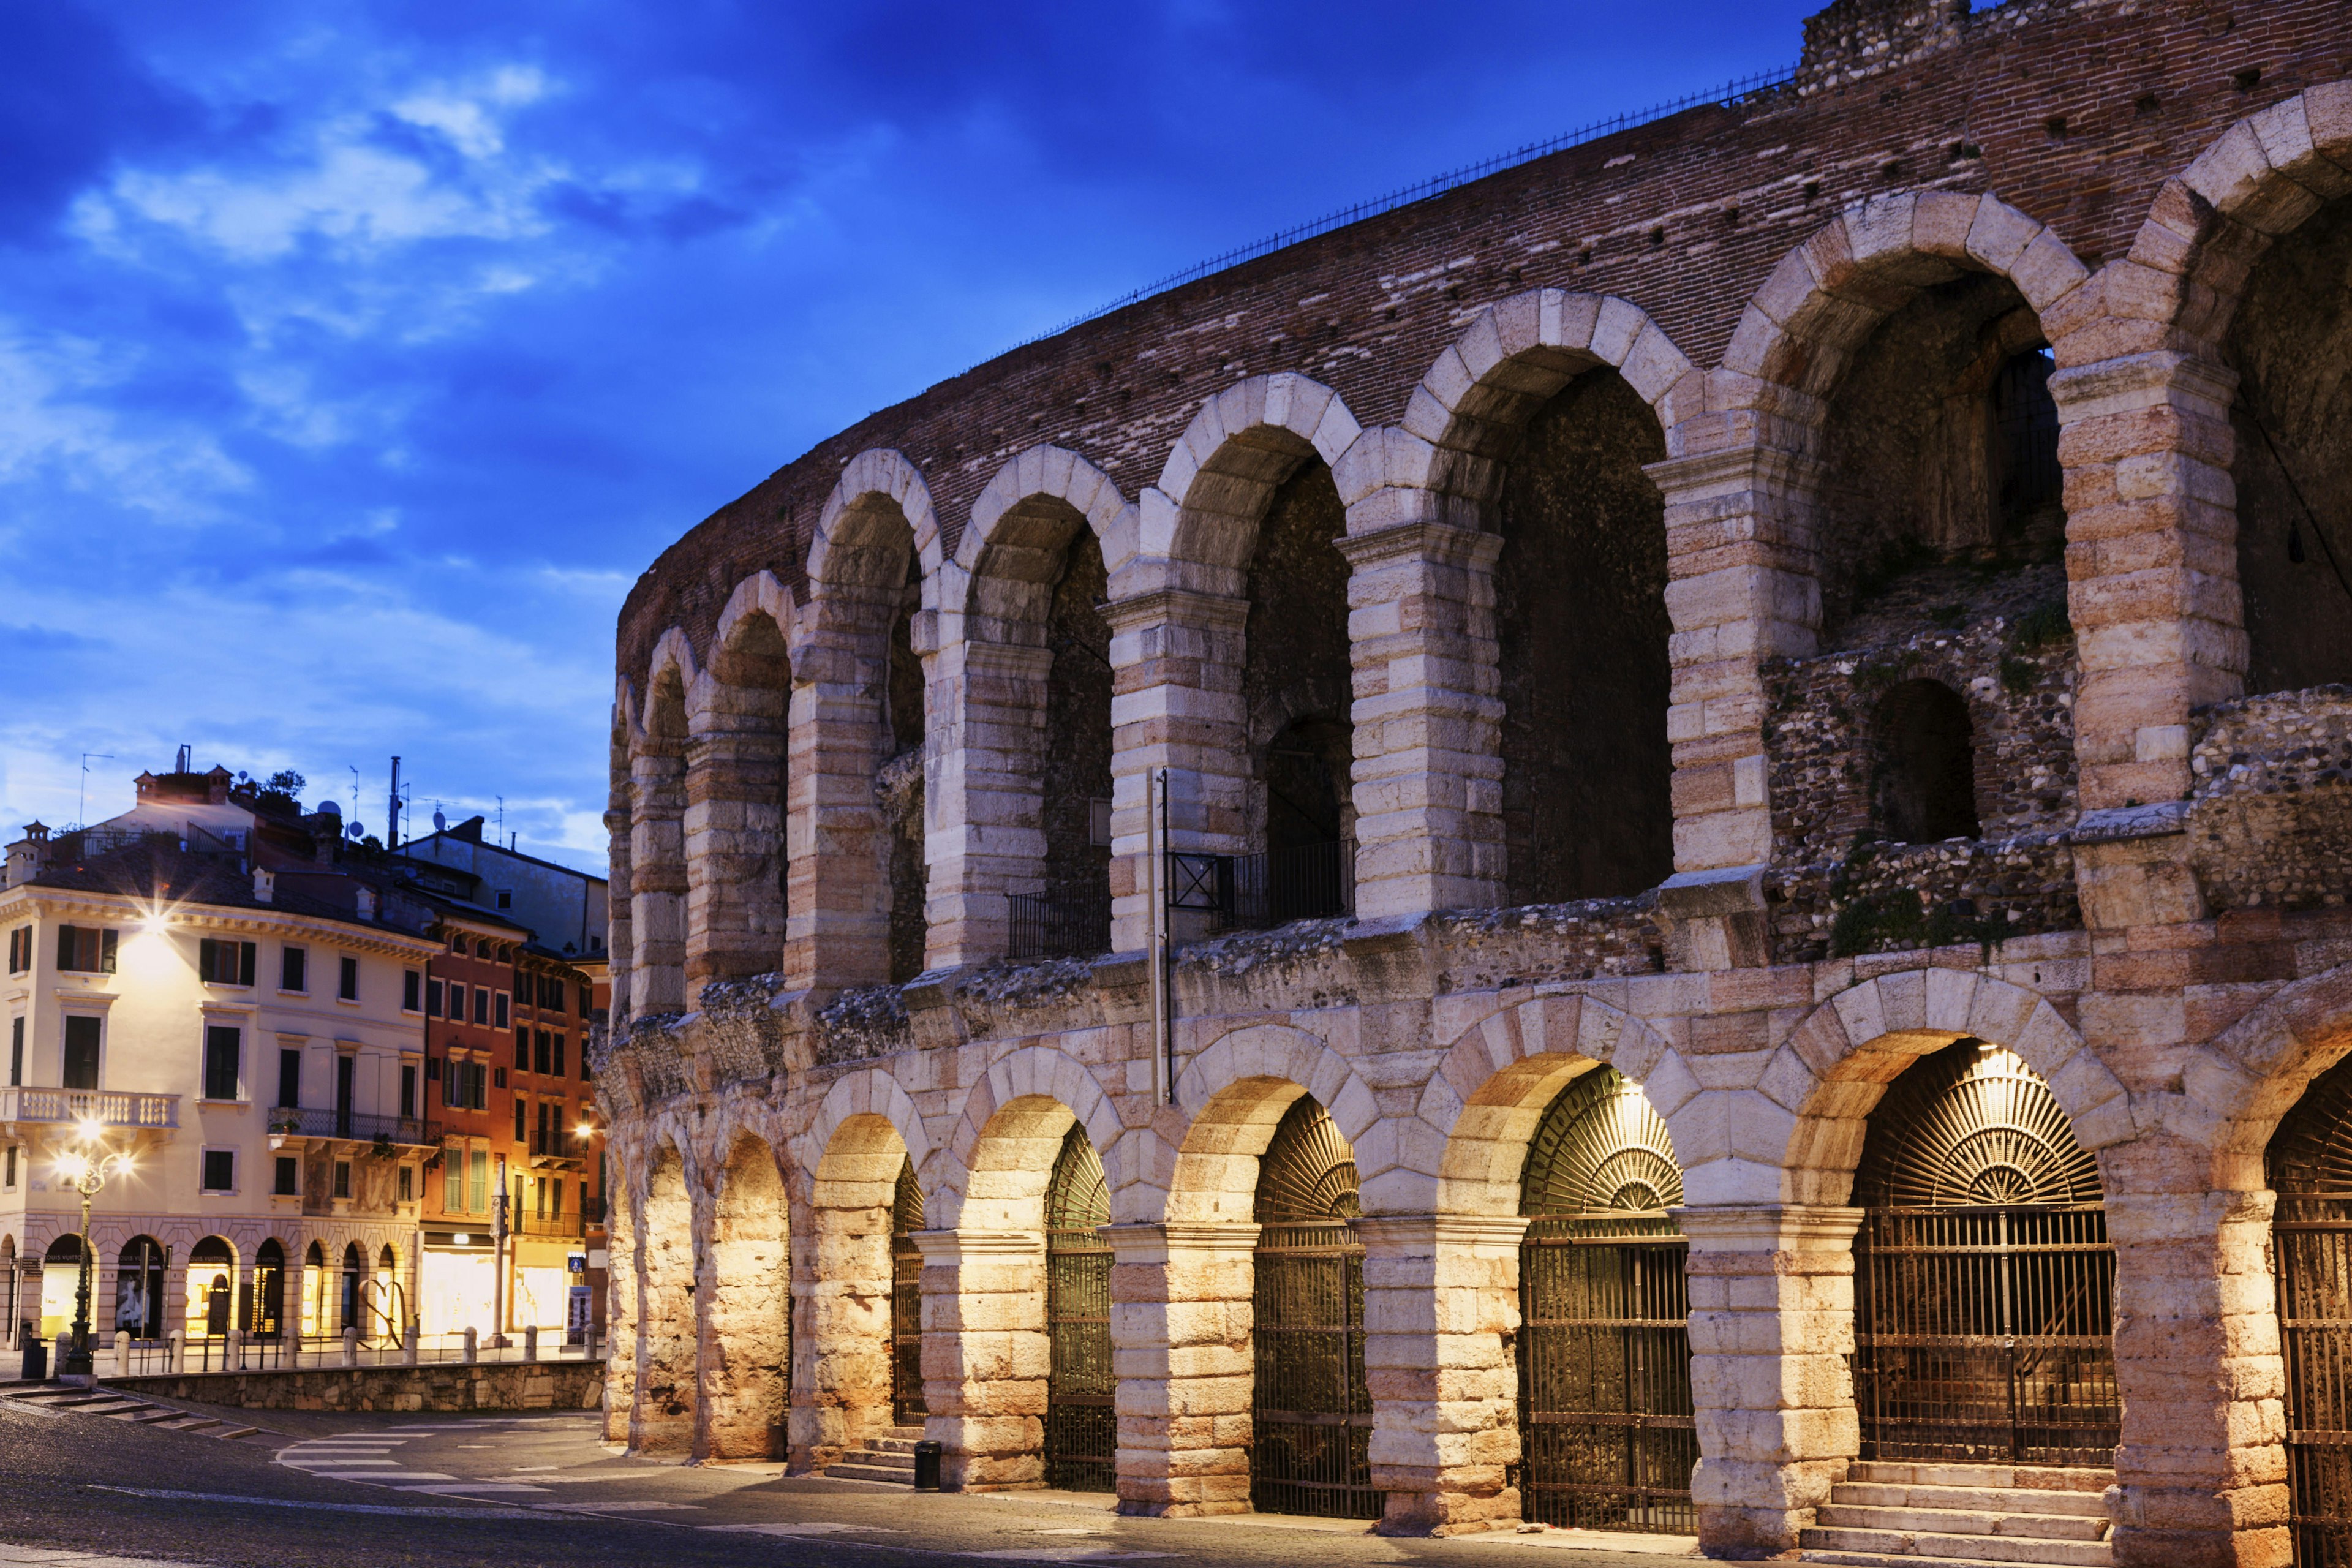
[1285,400]
[879,471]
[1797,1136]
[871,1091]
[1061,474]
[1038,1072]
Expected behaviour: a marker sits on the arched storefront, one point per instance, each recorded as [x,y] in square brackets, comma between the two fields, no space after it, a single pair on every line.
[1607,1433]
[212,1288]
[317,1320]
[1081,1417]
[60,1280]
[1311,1414]
[1984,1281]
[906,1301]
[354,1275]
[139,1289]
[269,1290]
[2310,1167]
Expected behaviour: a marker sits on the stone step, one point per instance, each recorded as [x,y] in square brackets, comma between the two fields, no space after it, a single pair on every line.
[1963,1521]
[1903,1559]
[1999,1499]
[1907,1547]
[150,1417]
[849,1471]
[231,1434]
[1935,1473]
[193,1423]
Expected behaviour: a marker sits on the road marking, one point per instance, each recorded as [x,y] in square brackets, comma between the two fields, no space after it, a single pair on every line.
[637,1505]
[814,1528]
[1062,1554]
[503,1510]
[337,1461]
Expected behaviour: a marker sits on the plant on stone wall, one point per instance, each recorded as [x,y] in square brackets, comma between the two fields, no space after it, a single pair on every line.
[2046,625]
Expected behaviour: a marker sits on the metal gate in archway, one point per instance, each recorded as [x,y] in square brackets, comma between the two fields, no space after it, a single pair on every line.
[1984,1281]
[2310,1168]
[1081,1394]
[1607,1432]
[1311,1412]
[906,1301]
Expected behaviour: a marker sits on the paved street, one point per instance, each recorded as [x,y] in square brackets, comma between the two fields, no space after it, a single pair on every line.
[387,1491]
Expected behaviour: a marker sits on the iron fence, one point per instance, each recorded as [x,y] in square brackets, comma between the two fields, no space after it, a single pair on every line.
[1081,1417]
[2311,1241]
[363,1127]
[1063,925]
[177,1355]
[906,1333]
[1272,887]
[1311,1414]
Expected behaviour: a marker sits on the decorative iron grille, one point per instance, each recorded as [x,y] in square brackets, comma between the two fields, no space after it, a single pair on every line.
[1311,1414]
[1067,925]
[1607,1427]
[1081,1415]
[1984,1281]
[1274,887]
[2310,1161]
[906,1301]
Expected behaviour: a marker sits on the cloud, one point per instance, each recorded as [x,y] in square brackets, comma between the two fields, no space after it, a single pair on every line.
[55,422]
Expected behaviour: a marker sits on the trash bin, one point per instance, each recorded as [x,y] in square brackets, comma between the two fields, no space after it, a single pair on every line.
[37,1360]
[927,1465]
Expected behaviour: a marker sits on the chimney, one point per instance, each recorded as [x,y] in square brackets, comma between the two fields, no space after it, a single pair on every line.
[367,902]
[265,886]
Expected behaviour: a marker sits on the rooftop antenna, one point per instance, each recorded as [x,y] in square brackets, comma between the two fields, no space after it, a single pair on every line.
[355,791]
[503,816]
[391,813]
[81,800]
[185,761]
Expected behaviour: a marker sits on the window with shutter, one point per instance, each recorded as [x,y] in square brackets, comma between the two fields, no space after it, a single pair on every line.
[558,1068]
[222,1045]
[81,1053]
[350,990]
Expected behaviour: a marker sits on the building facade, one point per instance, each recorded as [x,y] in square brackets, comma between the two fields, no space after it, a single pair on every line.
[1741,733]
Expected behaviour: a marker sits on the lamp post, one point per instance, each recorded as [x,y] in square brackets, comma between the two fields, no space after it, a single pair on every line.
[85,1167]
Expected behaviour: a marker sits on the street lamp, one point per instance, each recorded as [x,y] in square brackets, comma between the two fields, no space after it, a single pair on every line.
[85,1167]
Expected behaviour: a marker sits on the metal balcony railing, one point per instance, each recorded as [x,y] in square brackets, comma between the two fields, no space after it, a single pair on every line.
[109,1108]
[1066,925]
[359,1126]
[1272,887]
[562,1225]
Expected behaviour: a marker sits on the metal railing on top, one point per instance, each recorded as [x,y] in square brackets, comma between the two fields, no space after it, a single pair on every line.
[1272,887]
[365,1127]
[1063,925]
[183,1353]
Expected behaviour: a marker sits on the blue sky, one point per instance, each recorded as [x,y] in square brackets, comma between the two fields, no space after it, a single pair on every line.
[354,358]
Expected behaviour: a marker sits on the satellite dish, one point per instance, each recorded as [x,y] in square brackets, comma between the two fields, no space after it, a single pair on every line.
[439,821]
[329,808]
[355,831]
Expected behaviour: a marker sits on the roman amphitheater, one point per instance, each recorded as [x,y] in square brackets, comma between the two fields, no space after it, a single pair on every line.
[1658,844]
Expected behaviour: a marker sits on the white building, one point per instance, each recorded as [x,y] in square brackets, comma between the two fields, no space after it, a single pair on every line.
[563,907]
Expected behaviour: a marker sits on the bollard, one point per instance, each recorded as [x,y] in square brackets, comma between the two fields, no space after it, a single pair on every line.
[588,1345]
[473,1348]
[408,1345]
[233,1353]
[530,1343]
[177,1354]
[350,1347]
[122,1353]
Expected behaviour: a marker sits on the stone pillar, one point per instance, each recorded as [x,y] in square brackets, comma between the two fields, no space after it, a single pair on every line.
[663,1421]
[2151,564]
[1176,703]
[987,836]
[841,1351]
[1180,1326]
[1428,719]
[1441,1304]
[623,1289]
[1771,1326]
[838,931]
[620,940]
[1741,589]
[658,880]
[733,836]
[986,1356]
[2200,1477]
[743,1330]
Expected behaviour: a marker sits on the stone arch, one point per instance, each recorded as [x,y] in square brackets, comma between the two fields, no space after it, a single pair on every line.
[1234,1093]
[736,788]
[1014,1087]
[855,525]
[658,806]
[746,1329]
[1241,444]
[1498,1076]
[2236,1089]
[1796,1137]
[1024,519]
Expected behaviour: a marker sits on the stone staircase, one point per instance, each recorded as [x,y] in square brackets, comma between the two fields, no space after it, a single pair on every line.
[888,1456]
[1893,1515]
[123,1408]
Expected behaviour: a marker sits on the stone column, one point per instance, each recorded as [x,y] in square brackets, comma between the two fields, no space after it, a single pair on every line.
[658,880]
[987,836]
[1179,1326]
[1741,589]
[2200,1475]
[625,1285]
[1771,1325]
[838,931]
[1428,719]
[2151,564]
[734,843]
[1176,703]
[663,1420]
[841,1347]
[986,1356]
[619,939]
[742,1340]
[1441,1304]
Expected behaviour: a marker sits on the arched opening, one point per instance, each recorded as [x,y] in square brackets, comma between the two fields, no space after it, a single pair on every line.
[906,1406]
[384,1304]
[899,787]
[212,1285]
[269,1289]
[672,1291]
[1984,1281]
[1581,635]
[738,774]
[1926,746]
[2291,344]
[11,1291]
[317,1320]
[60,1280]
[748,1351]
[1297,691]
[2309,1164]
[1311,1412]
[1081,1390]
[349,1300]
[1074,918]
[139,1289]
[1608,1430]
[658,851]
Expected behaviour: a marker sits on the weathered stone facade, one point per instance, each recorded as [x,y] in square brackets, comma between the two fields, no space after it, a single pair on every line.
[2145,903]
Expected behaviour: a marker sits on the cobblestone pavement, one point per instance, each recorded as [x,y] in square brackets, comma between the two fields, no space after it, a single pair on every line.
[321,1491]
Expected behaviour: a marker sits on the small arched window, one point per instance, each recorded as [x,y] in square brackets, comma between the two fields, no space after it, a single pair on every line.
[1928,791]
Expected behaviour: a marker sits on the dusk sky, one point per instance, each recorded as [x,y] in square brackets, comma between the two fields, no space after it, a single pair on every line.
[355,358]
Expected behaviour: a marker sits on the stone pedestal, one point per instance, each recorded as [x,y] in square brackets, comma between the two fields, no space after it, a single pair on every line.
[1441,1304]
[986,1357]
[2200,1476]
[1428,718]
[1771,1325]
[1179,1325]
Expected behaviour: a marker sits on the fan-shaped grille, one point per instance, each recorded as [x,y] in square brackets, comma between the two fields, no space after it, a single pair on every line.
[906,1204]
[2311,1153]
[1600,1148]
[1308,1171]
[1972,1125]
[1078,1198]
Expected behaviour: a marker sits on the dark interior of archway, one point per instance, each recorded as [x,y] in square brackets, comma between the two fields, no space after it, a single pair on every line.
[1077,726]
[1581,619]
[1928,777]
[1297,683]
[900,786]
[2290,344]
[757,659]
[1941,486]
